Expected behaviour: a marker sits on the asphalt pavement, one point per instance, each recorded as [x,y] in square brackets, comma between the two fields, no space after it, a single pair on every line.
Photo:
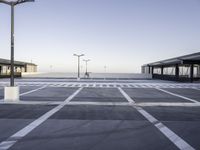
[102,116]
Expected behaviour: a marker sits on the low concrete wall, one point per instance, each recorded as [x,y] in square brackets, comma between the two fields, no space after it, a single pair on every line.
[27,74]
[92,75]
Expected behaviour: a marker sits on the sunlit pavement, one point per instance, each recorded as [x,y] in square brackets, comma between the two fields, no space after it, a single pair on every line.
[101,116]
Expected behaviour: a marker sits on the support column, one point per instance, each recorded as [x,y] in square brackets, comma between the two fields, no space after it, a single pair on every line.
[198,70]
[162,70]
[191,72]
[152,68]
[177,72]
[149,69]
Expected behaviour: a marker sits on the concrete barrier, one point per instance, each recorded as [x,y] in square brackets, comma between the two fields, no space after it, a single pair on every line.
[11,94]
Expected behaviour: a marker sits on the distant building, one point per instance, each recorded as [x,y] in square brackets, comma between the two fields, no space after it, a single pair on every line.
[183,68]
[19,67]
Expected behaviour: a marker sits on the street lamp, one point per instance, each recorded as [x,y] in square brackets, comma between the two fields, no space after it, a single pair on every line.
[78,56]
[86,62]
[12,4]
[105,72]
[105,68]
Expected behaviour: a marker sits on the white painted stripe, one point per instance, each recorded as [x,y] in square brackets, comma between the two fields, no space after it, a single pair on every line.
[101,103]
[130,100]
[114,85]
[174,138]
[25,93]
[197,89]
[121,84]
[169,104]
[178,141]
[2,102]
[73,85]
[148,116]
[137,86]
[177,95]
[23,132]
[129,86]
[66,85]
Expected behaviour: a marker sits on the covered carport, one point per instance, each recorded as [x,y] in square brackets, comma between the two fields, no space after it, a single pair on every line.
[183,68]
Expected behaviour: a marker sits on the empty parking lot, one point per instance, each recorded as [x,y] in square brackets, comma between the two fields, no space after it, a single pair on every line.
[101,115]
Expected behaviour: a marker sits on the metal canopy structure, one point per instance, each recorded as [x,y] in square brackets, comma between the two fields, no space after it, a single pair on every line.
[19,63]
[183,68]
[186,59]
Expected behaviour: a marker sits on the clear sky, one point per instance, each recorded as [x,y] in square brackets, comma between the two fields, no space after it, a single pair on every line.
[121,34]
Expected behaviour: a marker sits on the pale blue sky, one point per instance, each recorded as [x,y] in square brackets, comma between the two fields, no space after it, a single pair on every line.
[121,34]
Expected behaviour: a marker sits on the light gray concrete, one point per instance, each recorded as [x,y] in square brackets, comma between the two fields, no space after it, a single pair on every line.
[151,95]
[49,94]
[102,118]
[13,139]
[95,135]
[100,95]
[190,93]
[185,121]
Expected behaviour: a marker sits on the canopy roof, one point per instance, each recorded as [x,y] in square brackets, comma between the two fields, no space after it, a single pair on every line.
[186,59]
[19,63]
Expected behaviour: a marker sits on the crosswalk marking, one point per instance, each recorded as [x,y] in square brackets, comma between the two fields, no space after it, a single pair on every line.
[106,85]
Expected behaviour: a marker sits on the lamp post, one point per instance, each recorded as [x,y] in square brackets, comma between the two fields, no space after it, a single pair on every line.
[86,62]
[12,4]
[78,56]
[105,67]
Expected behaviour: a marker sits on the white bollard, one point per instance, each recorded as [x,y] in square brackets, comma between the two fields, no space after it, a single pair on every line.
[11,94]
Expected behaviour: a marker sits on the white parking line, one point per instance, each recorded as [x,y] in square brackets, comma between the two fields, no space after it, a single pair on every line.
[32,103]
[197,89]
[100,103]
[177,95]
[126,95]
[73,85]
[146,104]
[23,132]
[25,93]
[173,137]
[168,104]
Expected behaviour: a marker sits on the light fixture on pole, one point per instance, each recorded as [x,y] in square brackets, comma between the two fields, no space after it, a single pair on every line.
[78,56]
[12,4]
[105,67]
[86,63]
